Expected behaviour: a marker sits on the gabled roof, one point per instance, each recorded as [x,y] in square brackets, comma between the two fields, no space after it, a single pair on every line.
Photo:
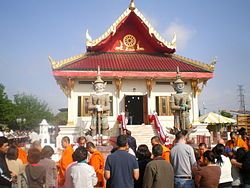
[131,22]
[130,47]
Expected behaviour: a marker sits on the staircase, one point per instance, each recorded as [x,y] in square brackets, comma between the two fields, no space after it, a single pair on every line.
[142,134]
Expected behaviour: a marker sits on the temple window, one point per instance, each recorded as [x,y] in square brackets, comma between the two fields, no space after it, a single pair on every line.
[83,106]
[163,106]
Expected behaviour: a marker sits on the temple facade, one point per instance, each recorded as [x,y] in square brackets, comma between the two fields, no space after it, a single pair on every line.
[139,67]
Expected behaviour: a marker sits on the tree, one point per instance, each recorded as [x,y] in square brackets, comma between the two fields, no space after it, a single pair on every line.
[226,114]
[7,114]
[32,109]
[61,118]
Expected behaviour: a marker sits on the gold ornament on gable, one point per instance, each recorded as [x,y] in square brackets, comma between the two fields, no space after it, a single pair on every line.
[129,43]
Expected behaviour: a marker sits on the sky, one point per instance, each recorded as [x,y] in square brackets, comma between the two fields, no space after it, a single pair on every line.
[31,30]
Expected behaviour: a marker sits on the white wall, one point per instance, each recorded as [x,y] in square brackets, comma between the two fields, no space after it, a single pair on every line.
[118,103]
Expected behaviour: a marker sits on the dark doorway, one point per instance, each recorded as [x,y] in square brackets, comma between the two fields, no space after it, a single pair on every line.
[134,109]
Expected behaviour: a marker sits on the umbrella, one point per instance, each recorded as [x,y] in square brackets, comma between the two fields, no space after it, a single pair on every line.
[213,118]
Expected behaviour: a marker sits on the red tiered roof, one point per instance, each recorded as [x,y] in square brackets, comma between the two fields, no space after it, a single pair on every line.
[131,62]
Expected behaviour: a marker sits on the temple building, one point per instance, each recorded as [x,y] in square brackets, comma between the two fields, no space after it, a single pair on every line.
[138,66]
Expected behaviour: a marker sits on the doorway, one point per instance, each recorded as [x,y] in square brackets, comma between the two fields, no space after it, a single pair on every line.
[136,109]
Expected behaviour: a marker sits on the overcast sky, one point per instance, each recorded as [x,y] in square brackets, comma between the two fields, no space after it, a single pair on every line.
[31,30]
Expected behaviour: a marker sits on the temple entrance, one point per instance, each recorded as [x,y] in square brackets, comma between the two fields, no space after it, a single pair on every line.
[136,109]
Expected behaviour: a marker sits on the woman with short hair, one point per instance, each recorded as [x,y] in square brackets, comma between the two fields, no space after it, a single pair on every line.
[49,165]
[36,173]
[15,165]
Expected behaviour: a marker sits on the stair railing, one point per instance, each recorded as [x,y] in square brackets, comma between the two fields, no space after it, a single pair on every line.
[122,120]
[158,127]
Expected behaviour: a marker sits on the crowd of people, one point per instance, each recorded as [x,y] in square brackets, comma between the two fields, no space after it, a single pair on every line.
[20,135]
[227,164]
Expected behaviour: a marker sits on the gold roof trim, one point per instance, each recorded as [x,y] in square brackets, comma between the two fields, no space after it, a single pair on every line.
[58,64]
[112,29]
[208,67]
[152,31]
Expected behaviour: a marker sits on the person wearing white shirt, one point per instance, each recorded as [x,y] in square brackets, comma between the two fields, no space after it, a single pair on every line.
[225,165]
[83,175]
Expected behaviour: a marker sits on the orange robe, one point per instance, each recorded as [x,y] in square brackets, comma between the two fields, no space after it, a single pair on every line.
[166,153]
[65,160]
[239,143]
[242,144]
[97,161]
[22,155]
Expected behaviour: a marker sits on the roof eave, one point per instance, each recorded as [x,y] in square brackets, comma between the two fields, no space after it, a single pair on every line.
[134,74]
[207,67]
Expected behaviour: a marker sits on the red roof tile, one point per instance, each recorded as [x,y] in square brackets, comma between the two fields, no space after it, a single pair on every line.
[131,62]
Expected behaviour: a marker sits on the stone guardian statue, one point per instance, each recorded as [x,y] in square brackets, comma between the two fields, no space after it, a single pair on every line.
[99,105]
[180,105]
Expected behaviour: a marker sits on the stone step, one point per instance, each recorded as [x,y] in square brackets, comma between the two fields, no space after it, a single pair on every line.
[142,134]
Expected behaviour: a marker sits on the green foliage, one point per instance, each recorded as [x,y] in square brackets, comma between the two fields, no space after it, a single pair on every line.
[6,108]
[23,106]
[226,114]
[60,118]
[32,109]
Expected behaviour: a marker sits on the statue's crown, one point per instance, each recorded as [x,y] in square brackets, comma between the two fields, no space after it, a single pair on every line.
[178,77]
[98,78]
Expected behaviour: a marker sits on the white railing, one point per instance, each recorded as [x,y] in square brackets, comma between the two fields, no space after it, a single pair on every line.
[158,127]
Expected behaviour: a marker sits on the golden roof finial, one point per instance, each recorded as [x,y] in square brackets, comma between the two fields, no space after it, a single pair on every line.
[132,5]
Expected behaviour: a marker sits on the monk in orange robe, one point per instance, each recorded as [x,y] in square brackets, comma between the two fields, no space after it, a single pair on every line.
[236,142]
[245,139]
[22,155]
[65,160]
[166,151]
[97,161]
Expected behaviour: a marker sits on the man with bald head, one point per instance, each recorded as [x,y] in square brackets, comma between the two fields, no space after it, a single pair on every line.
[165,151]
[65,160]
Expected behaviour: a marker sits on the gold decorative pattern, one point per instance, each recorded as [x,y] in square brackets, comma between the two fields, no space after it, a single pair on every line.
[149,85]
[66,85]
[118,85]
[129,43]
[152,31]
[197,86]
[120,47]
[194,62]
[59,64]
